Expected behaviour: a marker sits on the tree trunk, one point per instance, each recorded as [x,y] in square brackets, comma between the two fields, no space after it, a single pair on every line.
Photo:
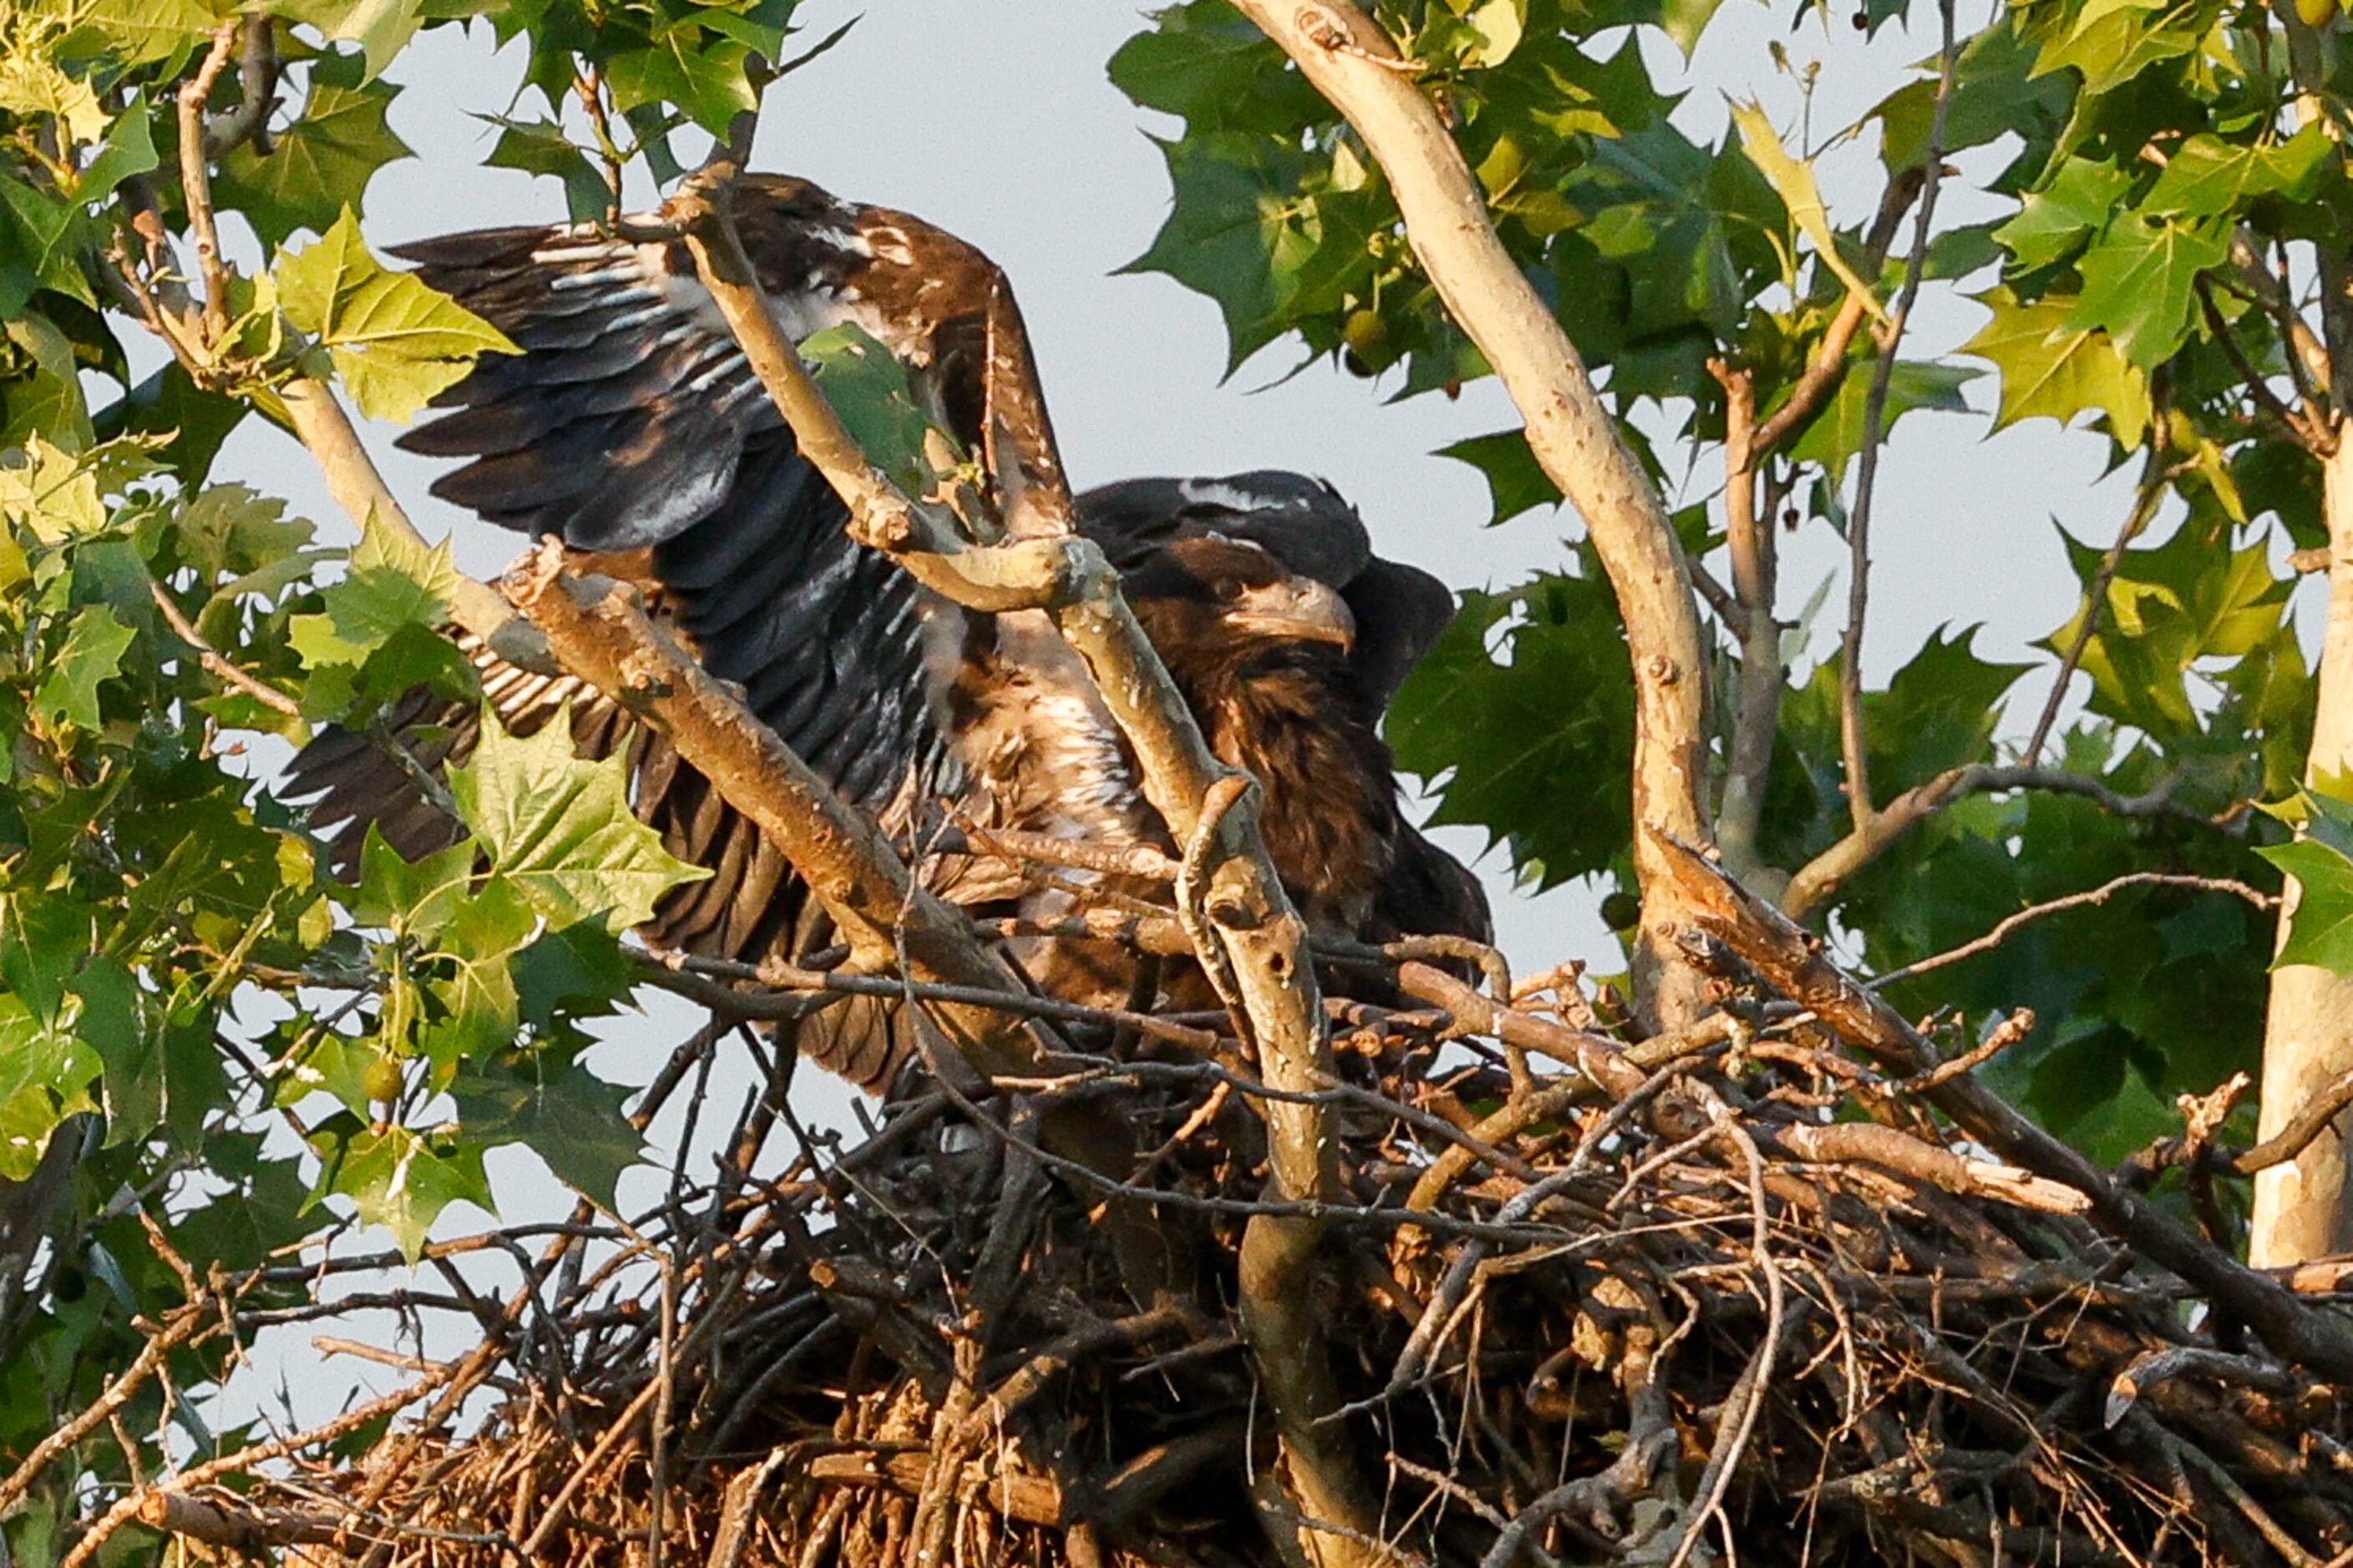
[2303,1209]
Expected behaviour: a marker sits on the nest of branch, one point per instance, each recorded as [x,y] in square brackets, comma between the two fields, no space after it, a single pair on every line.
[1728,1294]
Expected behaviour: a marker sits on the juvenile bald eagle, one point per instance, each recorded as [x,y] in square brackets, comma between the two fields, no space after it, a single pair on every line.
[631,426]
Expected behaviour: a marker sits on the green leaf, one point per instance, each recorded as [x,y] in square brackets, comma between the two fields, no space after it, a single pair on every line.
[129,149]
[139,32]
[394,341]
[398,1178]
[93,651]
[540,147]
[2053,223]
[560,830]
[414,898]
[1206,63]
[2050,370]
[2113,41]
[1835,435]
[869,390]
[2320,931]
[1516,481]
[1793,180]
[2167,608]
[394,582]
[2208,177]
[44,1079]
[44,396]
[32,87]
[322,163]
[43,938]
[2138,280]
[1483,717]
[40,240]
[381,27]
[562,1112]
[1227,234]
[471,975]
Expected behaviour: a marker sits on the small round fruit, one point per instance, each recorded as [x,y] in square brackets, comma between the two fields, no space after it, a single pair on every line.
[1620,910]
[2315,12]
[1366,331]
[382,1082]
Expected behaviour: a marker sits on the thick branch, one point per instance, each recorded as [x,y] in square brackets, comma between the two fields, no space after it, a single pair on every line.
[326,432]
[1257,938]
[1826,873]
[599,632]
[1351,62]
[1790,958]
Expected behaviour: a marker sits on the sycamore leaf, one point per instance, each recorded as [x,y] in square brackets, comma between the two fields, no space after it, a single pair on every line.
[868,388]
[1793,181]
[140,31]
[379,27]
[398,1177]
[2320,932]
[540,147]
[2208,176]
[561,829]
[394,581]
[2053,223]
[46,1076]
[32,86]
[2052,371]
[92,653]
[2138,281]
[560,1111]
[128,149]
[1835,435]
[2113,41]
[1516,481]
[50,494]
[320,165]
[394,341]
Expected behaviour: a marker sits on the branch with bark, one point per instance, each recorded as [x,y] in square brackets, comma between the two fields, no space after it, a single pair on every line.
[1253,934]
[1347,59]
[1827,872]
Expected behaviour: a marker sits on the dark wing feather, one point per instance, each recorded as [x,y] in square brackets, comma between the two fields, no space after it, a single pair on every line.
[631,423]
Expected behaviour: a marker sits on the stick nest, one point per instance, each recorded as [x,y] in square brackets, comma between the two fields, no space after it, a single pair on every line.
[1751,1301]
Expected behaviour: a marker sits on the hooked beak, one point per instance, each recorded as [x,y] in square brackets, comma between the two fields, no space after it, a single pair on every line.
[1297,609]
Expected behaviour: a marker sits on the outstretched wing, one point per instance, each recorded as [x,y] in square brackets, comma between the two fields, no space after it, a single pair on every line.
[631,426]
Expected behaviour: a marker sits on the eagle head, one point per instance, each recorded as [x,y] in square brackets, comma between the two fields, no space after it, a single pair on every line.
[1208,597]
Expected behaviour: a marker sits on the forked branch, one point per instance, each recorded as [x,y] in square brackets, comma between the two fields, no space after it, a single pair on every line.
[1255,935]
[1351,63]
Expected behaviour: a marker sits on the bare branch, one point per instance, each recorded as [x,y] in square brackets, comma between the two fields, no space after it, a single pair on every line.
[210,657]
[599,632]
[1874,428]
[2010,924]
[257,77]
[2151,490]
[1827,872]
[196,182]
[1348,59]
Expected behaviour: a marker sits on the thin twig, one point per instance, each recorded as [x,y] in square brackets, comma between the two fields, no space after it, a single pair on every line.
[1852,746]
[2010,924]
[268,696]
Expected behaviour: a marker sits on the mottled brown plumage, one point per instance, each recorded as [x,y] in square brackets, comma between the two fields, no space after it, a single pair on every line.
[631,428]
